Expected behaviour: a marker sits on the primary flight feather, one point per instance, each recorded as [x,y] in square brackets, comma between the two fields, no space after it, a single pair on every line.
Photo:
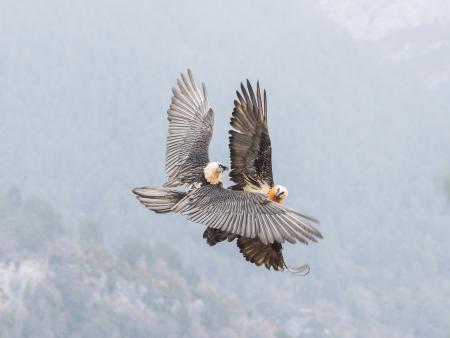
[250,210]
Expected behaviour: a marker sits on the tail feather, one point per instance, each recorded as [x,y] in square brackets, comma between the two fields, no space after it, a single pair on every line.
[269,255]
[160,200]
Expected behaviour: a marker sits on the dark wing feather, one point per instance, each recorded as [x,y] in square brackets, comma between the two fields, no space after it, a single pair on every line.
[191,123]
[271,255]
[250,146]
[246,214]
[258,253]
[214,236]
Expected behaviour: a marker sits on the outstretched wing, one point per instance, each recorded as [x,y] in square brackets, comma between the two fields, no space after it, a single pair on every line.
[250,147]
[247,214]
[191,123]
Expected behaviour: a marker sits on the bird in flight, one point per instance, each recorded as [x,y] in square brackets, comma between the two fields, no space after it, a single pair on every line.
[250,211]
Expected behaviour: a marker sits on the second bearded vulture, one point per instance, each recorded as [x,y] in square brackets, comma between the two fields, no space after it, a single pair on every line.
[250,211]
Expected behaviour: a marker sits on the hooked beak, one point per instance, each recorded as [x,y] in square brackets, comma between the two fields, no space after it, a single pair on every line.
[223,168]
[279,192]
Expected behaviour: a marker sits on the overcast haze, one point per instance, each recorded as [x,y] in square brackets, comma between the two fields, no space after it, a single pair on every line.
[358,95]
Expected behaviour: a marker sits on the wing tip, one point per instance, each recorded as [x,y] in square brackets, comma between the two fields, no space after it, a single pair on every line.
[138,191]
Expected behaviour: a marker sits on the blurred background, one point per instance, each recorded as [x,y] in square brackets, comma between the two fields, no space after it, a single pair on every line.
[359,95]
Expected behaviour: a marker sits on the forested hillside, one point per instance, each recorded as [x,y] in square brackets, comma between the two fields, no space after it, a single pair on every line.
[59,283]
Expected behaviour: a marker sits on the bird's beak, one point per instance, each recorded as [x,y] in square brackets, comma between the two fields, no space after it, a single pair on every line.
[223,168]
[279,192]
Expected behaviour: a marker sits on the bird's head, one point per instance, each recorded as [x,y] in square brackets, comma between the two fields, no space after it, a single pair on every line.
[213,172]
[277,193]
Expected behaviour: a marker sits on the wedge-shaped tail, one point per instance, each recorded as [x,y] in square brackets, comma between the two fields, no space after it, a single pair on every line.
[269,255]
[160,200]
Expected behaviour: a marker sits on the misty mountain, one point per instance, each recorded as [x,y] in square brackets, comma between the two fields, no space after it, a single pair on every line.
[359,138]
[54,283]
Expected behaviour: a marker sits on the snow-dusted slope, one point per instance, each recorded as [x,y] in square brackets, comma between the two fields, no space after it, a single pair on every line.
[373,19]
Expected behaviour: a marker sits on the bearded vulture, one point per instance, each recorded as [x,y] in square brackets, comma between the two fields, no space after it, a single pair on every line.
[250,211]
